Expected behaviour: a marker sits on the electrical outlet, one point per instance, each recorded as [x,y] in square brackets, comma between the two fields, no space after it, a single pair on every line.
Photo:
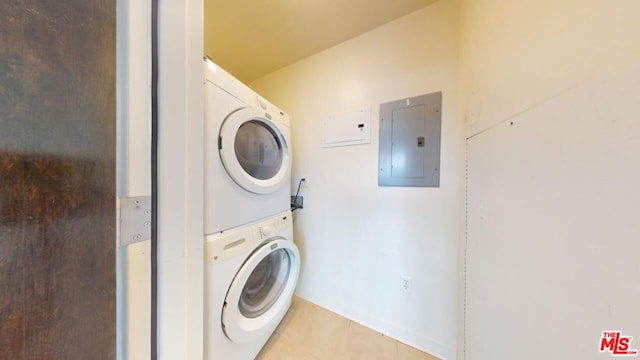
[405,284]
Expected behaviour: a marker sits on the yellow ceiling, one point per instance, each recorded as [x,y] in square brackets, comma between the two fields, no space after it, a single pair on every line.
[251,38]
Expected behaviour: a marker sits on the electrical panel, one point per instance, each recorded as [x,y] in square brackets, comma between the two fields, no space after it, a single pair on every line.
[409,147]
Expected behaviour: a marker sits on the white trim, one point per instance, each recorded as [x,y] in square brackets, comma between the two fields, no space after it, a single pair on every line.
[228,134]
[180,180]
[134,97]
[133,167]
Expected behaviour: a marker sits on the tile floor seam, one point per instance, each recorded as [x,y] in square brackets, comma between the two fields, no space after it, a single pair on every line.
[305,318]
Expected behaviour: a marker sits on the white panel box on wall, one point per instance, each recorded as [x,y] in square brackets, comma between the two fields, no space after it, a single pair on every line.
[351,127]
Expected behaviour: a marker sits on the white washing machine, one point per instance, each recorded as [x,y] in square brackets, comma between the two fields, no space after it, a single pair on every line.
[247,155]
[250,276]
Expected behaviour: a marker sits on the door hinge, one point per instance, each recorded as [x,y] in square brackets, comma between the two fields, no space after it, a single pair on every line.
[134,219]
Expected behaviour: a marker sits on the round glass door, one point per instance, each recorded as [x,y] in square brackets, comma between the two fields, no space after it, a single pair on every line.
[258,150]
[261,291]
[265,284]
[254,151]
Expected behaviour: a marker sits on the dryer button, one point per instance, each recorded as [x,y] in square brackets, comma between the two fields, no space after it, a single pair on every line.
[261,102]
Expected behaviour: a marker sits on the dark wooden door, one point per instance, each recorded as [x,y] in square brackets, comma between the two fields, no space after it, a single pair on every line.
[57,179]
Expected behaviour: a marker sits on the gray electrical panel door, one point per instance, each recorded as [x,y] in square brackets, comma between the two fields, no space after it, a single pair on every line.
[409,153]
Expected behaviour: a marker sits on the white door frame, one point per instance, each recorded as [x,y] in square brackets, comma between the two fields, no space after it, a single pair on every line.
[180,177]
[180,180]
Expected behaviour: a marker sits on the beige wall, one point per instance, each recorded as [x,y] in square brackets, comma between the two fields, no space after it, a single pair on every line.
[358,239]
[516,54]
[524,57]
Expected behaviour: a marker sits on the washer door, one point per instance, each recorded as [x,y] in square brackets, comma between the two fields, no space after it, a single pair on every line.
[254,151]
[261,291]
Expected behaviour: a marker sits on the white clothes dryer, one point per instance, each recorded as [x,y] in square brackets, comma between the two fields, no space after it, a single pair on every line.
[250,276]
[247,156]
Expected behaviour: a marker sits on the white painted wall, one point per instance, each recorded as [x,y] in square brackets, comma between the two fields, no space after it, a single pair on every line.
[517,54]
[358,239]
[553,246]
[517,57]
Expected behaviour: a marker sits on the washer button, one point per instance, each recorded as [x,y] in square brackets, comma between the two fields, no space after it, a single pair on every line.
[266,231]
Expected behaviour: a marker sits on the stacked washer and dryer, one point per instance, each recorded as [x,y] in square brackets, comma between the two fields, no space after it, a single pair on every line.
[251,262]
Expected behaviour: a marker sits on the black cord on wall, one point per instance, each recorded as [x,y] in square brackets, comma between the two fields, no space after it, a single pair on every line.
[294,202]
[154,179]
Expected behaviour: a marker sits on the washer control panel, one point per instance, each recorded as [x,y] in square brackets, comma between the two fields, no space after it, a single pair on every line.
[274,226]
[243,240]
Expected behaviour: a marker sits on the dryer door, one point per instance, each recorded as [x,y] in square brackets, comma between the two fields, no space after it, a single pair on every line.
[261,292]
[254,151]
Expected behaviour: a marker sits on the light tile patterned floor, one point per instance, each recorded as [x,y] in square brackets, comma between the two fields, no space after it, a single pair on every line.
[309,332]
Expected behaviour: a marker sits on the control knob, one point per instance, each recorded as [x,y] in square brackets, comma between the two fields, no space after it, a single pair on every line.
[266,231]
